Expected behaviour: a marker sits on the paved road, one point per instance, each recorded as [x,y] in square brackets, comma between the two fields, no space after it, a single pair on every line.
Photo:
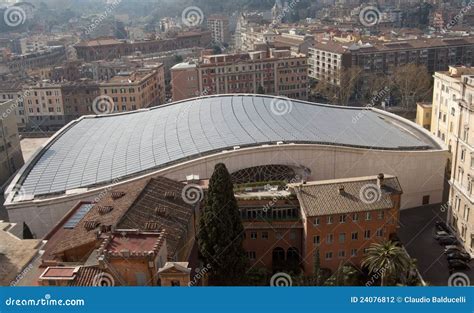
[416,233]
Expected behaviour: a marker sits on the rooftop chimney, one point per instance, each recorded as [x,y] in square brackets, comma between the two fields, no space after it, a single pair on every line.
[380,178]
[341,190]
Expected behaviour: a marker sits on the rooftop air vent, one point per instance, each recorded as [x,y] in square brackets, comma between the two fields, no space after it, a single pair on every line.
[117,195]
[105,209]
[91,225]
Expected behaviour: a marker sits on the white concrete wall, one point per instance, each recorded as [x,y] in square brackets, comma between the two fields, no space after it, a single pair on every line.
[420,173]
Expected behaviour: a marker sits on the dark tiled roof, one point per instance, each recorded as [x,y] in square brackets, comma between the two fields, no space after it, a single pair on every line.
[156,203]
[160,206]
[80,235]
[325,198]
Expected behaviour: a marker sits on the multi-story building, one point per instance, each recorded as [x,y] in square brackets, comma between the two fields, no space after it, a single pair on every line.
[288,228]
[11,158]
[219,27]
[109,49]
[423,114]
[50,56]
[44,107]
[78,98]
[127,235]
[452,121]
[326,59]
[142,88]
[13,91]
[273,72]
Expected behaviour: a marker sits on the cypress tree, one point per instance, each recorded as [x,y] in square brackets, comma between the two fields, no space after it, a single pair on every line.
[220,235]
[27,234]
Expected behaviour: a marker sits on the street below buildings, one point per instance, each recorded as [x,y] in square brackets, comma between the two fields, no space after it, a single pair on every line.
[417,227]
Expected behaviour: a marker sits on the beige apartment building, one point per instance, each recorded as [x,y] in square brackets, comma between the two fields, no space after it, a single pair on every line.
[423,114]
[219,27]
[453,122]
[327,58]
[142,88]
[11,158]
[273,72]
[13,91]
[44,107]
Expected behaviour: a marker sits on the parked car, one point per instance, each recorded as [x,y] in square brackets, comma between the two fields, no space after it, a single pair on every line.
[449,240]
[457,265]
[463,256]
[442,234]
[453,248]
[442,226]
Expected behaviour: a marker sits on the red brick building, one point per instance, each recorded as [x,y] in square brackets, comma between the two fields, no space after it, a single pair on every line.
[272,72]
[339,217]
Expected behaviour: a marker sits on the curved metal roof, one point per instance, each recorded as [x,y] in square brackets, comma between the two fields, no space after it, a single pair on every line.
[98,149]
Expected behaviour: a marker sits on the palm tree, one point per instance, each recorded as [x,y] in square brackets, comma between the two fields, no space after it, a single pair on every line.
[386,259]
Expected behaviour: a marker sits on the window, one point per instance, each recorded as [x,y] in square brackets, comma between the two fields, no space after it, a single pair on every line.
[368,216]
[342,218]
[367,234]
[316,221]
[355,217]
[265,235]
[252,255]
[330,238]
[342,237]
[253,235]
[380,232]
[380,215]
[329,220]
[342,254]
[316,240]
[355,236]
[328,255]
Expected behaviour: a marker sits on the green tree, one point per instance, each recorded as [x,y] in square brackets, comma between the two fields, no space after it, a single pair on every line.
[221,231]
[260,90]
[317,267]
[27,234]
[386,259]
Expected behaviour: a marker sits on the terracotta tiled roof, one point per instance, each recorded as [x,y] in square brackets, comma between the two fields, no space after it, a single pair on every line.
[358,195]
[86,276]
